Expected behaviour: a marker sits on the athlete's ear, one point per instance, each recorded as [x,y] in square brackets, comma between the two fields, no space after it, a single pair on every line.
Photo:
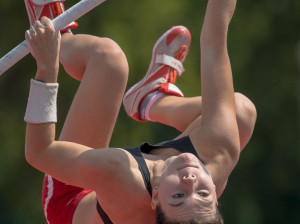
[217,202]
[154,201]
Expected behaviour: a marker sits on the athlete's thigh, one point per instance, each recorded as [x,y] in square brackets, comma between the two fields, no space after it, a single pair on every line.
[86,211]
[96,105]
[76,50]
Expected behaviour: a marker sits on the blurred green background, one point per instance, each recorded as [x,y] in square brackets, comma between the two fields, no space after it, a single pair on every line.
[264,35]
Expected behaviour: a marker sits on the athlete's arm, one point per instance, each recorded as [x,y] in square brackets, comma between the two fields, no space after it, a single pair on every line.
[217,138]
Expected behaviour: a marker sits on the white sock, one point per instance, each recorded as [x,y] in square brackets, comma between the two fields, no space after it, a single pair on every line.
[147,103]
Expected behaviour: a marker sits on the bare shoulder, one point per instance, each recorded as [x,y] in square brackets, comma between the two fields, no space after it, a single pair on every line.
[108,163]
[107,159]
[120,189]
[108,170]
[119,212]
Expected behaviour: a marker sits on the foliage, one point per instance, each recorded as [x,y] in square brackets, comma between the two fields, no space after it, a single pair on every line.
[264,188]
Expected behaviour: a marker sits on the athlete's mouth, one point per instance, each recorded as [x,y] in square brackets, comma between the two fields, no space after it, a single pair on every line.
[188,166]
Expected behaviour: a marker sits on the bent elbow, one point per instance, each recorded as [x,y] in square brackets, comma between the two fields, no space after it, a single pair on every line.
[29,156]
[34,156]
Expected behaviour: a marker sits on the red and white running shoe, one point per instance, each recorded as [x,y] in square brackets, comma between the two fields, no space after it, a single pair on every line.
[36,9]
[169,52]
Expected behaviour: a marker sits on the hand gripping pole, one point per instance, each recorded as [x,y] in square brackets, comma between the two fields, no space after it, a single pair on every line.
[72,14]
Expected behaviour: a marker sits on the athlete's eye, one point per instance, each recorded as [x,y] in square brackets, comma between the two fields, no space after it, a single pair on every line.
[203,194]
[178,195]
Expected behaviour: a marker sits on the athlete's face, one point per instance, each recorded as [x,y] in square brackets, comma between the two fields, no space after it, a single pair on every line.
[186,189]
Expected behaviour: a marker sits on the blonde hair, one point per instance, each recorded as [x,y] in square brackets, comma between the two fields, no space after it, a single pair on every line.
[162,219]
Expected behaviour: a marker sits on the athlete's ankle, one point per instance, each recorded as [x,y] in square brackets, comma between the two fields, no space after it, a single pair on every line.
[148,102]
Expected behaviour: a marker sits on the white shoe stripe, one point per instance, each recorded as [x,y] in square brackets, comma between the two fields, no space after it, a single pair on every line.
[38,11]
[170,61]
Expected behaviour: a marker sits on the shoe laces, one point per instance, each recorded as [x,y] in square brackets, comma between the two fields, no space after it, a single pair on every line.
[179,56]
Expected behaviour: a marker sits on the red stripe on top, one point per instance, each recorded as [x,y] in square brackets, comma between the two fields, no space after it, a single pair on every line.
[177,32]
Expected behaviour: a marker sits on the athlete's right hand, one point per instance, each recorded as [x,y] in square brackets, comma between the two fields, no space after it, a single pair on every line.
[44,44]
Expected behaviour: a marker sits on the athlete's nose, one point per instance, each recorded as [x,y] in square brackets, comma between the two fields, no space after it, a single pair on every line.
[189,178]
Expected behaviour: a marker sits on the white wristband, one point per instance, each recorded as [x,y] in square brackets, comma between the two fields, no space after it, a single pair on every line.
[41,105]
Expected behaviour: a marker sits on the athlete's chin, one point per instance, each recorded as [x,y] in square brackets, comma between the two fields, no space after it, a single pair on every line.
[187,160]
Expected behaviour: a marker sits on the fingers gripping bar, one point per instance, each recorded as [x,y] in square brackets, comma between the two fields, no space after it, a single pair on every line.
[73,13]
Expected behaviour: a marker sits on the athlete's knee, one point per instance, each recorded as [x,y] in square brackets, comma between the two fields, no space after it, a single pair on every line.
[109,58]
[245,107]
[246,117]
[86,54]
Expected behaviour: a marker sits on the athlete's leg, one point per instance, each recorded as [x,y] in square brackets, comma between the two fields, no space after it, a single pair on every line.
[177,112]
[86,211]
[169,52]
[184,114]
[102,67]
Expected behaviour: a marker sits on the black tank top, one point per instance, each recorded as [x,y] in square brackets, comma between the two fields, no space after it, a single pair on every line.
[183,145]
